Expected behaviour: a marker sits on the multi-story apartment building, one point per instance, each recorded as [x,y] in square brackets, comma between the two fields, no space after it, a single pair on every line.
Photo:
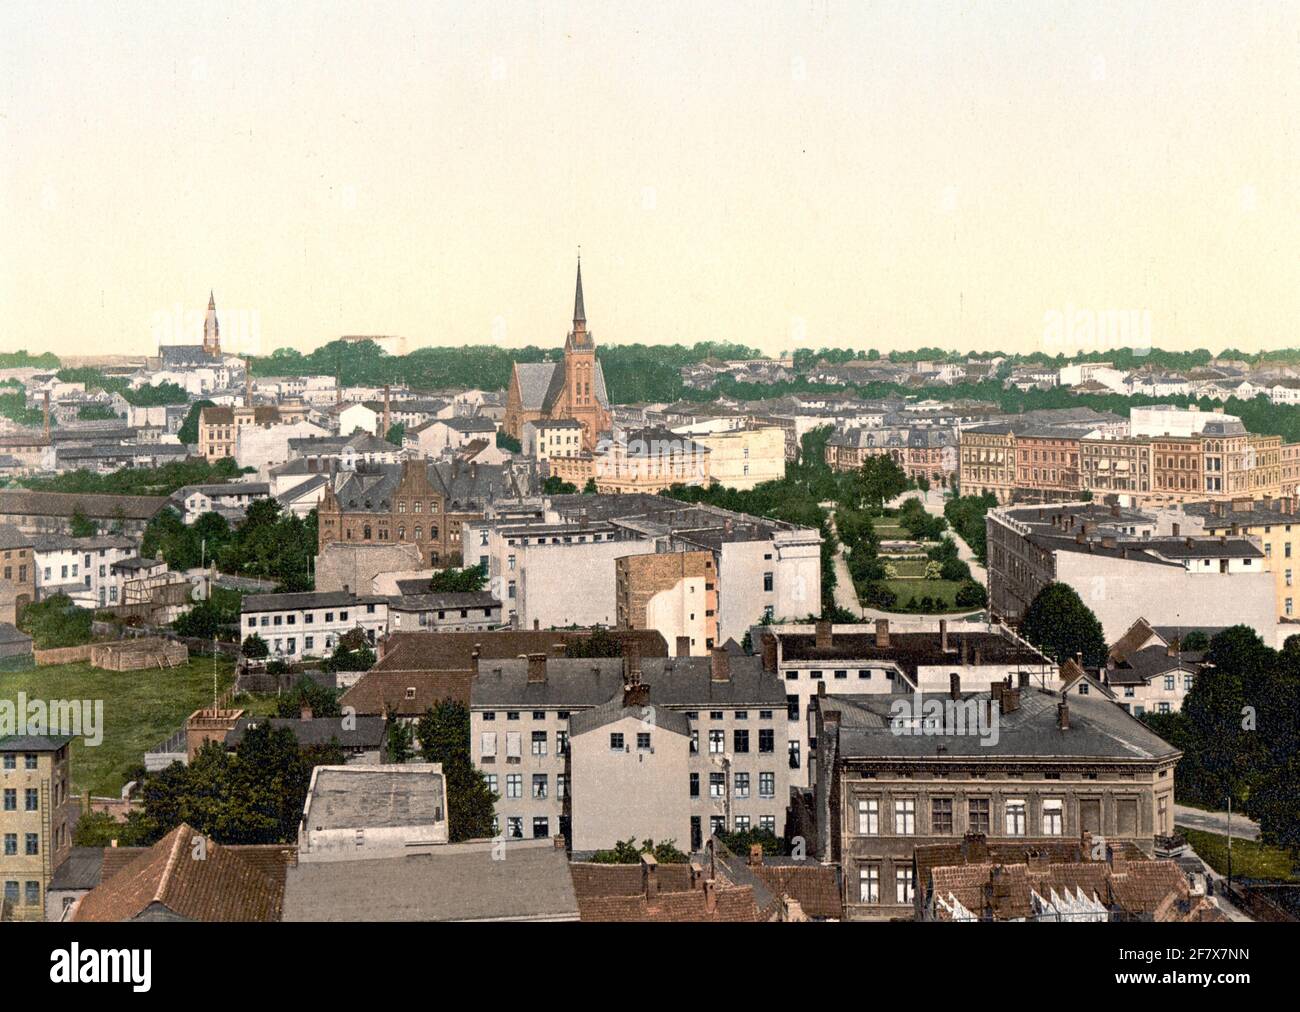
[1123,572]
[36,818]
[642,460]
[742,456]
[219,426]
[1120,467]
[53,512]
[1047,464]
[545,438]
[865,660]
[444,612]
[1009,763]
[1274,524]
[988,460]
[764,567]
[923,452]
[524,714]
[310,624]
[17,572]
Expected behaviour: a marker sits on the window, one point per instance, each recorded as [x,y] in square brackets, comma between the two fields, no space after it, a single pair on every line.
[695,785]
[515,827]
[903,885]
[740,741]
[905,816]
[561,785]
[616,742]
[767,785]
[767,582]
[768,823]
[868,817]
[742,823]
[539,743]
[717,785]
[792,707]
[741,782]
[562,742]
[539,786]
[30,799]
[33,894]
[32,844]
[541,827]
[978,815]
[11,799]
[869,884]
[1053,821]
[717,741]
[491,780]
[11,844]
[643,741]
[794,755]
[514,785]
[1015,818]
[941,816]
[766,740]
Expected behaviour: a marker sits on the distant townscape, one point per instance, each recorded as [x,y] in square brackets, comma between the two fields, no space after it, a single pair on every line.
[609,633]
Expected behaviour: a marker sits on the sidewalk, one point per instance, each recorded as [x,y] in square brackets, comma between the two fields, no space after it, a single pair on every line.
[1215,822]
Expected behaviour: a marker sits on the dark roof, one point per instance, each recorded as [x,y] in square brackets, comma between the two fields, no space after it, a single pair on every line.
[368,732]
[306,599]
[21,502]
[80,870]
[615,892]
[380,692]
[454,651]
[1140,666]
[1098,730]
[614,710]
[909,650]
[34,742]
[411,600]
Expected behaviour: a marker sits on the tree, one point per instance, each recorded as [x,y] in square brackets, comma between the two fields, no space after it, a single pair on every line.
[740,841]
[505,441]
[444,734]
[56,622]
[351,653]
[81,526]
[627,852]
[323,702]
[1061,625]
[557,486]
[189,431]
[590,487]
[879,480]
[458,581]
[400,741]
[254,647]
[599,644]
[396,433]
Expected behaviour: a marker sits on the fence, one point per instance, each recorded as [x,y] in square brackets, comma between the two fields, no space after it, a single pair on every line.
[64,655]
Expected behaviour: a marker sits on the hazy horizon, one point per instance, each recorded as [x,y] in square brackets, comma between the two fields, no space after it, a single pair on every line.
[779,176]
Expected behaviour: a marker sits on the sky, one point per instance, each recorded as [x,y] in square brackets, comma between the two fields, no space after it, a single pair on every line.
[801,174]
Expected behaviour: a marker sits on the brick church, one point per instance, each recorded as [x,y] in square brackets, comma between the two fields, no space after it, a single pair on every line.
[571,389]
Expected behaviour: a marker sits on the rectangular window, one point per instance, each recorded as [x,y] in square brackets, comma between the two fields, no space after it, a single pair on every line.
[539,743]
[514,785]
[717,742]
[541,827]
[695,785]
[903,885]
[978,815]
[616,742]
[643,741]
[869,817]
[767,785]
[539,786]
[905,816]
[717,785]
[869,884]
[1053,819]
[794,755]
[941,816]
[741,781]
[740,741]
[766,740]
[1015,818]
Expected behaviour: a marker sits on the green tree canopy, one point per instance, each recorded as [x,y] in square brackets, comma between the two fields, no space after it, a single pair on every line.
[1062,626]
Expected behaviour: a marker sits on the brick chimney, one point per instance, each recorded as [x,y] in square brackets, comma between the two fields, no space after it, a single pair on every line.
[557,649]
[387,414]
[650,877]
[720,665]
[769,652]
[1171,649]
[954,684]
[824,636]
[683,646]
[755,855]
[1085,846]
[710,895]
[943,635]
[975,848]
[1117,858]
[632,661]
[536,669]
[1063,715]
[882,632]
[1177,529]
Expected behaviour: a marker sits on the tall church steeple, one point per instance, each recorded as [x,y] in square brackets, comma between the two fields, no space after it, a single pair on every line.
[211,329]
[578,337]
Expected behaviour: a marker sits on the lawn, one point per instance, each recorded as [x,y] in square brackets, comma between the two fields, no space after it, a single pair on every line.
[939,590]
[1249,858]
[914,568]
[140,710]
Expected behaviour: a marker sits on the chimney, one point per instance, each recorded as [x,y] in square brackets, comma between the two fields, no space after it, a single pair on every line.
[650,877]
[1037,859]
[1171,650]
[710,895]
[1177,529]
[476,652]
[1024,679]
[995,692]
[1085,846]
[1114,509]
[47,416]
[1063,715]
[1117,858]
[965,652]
[943,635]
[632,661]
[683,646]
[824,637]
[1010,699]
[756,855]
[720,665]
[769,653]
[536,669]
[977,656]
[557,649]
[697,875]
[306,711]
[882,632]
[387,415]
[975,848]
[248,388]
[954,684]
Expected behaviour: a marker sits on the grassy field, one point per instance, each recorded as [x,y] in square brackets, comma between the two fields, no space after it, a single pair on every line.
[908,568]
[940,590]
[1249,859]
[141,709]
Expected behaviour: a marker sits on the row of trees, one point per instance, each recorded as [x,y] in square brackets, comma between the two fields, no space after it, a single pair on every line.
[162,480]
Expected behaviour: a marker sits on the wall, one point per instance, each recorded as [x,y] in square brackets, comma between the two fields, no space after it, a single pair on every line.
[342,565]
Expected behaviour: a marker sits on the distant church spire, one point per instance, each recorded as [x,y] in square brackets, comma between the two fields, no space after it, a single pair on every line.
[211,329]
[579,313]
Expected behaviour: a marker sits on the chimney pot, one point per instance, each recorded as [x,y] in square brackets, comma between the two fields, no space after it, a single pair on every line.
[650,877]
[943,635]
[882,632]
[536,669]
[824,635]
[954,684]
[720,666]
[1063,715]
[756,855]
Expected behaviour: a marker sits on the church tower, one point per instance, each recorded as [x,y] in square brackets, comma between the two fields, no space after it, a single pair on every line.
[211,331]
[580,373]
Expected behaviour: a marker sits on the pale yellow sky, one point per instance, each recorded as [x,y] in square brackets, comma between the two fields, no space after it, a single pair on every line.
[781,174]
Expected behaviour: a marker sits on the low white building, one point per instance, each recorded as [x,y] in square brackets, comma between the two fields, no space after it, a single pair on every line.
[310,624]
[360,812]
[82,568]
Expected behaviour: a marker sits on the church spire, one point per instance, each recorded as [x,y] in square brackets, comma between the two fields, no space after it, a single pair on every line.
[579,313]
[211,329]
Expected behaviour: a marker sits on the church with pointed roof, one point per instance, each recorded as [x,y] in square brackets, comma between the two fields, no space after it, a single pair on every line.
[573,388]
